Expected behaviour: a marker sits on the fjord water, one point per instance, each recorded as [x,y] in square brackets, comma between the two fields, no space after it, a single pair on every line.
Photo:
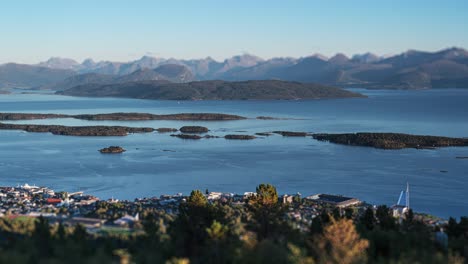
[157,164]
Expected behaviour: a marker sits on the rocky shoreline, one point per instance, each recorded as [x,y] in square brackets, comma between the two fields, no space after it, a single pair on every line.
[112,150]
[392,140]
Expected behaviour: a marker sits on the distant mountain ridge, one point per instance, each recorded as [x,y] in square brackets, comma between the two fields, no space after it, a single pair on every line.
[167,72]
[409,70]
[14,75]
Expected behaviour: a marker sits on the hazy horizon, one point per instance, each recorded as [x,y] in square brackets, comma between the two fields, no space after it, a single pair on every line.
[124,31]
[240,54]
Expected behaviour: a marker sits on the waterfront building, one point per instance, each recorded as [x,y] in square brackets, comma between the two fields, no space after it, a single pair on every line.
[335,200]
[403,204]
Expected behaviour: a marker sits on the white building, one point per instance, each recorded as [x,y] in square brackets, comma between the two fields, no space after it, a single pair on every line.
[403,204]
[127,220]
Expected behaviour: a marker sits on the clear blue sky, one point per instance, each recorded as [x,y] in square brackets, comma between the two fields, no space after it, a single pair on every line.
[32,31]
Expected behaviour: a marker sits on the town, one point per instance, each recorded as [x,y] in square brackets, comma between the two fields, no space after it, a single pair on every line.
[102,216]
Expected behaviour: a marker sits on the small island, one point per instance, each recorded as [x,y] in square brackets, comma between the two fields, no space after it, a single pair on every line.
[392,140]
[210,136]
[193,129]
[112,150]
[240,137]
[166,130]
[186,136]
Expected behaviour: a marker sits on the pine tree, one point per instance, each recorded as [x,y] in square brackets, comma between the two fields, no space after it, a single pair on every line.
[42,237]
[197,199]
[267,212]
[266,195]
[368,219]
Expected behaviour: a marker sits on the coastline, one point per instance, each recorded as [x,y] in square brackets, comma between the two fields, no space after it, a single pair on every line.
[322,161]
[50,198]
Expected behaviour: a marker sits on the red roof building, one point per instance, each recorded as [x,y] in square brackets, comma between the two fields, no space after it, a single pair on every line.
[53,200]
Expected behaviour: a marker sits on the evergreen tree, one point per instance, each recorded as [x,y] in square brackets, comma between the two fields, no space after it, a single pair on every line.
[409,219]
[61,232]
[189,229]
[385,219]
[368,219]
[268,214]
[196,199]
[452,228]
[42,237]
[266,195]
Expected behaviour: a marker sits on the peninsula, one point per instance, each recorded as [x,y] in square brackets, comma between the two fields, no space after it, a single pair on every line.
[78,130]
[291,133]
[392,140]
[124,116]
[211,90]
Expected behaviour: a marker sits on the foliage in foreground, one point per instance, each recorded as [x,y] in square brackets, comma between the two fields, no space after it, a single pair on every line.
[257,232]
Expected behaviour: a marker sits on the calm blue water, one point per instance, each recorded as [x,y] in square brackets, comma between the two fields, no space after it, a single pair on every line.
[438,180]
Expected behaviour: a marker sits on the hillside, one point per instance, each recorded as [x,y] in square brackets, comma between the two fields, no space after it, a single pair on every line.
[81,79]
[14,75]
[168,72]
[211,90]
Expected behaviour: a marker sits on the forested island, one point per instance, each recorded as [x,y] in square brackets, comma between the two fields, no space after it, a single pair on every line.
[194,129]
[124,116]
[78,130]
[240,137]
[212,90]
[186,136]
[392,140]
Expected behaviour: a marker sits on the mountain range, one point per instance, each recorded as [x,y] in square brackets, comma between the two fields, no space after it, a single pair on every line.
[409,70]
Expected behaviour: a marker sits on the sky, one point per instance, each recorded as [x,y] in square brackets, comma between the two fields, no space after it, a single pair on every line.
[117,30]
